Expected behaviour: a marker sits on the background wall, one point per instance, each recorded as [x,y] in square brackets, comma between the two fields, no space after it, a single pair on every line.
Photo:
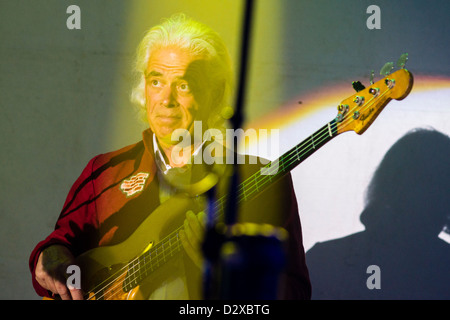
[64,99]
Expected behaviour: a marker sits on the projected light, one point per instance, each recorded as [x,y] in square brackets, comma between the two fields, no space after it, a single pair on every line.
[330,185]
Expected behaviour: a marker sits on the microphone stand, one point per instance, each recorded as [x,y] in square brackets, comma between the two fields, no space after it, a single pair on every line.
[243,266]
[214,240]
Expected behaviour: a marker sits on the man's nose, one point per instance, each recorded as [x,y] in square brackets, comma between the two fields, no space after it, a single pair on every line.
[169,98]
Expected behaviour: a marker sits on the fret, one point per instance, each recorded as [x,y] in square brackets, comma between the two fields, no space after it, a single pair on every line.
[145,265]
[282,166]
[155,262]
[139,270]
[151,262]
[329,130]
[297,153]
[143,272]
[256,183]
[178,242]
[173,246]
[132,276]
[125,283]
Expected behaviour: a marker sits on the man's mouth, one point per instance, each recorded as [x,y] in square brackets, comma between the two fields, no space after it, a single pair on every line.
[177,116]
[168,118]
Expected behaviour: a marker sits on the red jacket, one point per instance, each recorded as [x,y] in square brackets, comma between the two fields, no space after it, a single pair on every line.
[121,186]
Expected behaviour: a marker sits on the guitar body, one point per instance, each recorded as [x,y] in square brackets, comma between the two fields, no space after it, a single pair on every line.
[104,269]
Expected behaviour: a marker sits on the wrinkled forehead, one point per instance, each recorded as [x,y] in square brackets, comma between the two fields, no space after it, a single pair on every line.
[178,62]
[171,59]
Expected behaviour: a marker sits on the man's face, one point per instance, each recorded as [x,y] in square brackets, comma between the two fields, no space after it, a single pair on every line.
[170,101]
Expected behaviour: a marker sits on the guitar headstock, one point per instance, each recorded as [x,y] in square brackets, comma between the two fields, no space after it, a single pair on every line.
[357,112]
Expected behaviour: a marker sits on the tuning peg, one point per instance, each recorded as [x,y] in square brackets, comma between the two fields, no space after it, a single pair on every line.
[402,61]
[371,77]
[358,86]
[387,68]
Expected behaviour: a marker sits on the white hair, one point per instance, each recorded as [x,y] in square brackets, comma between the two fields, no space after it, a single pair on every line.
[199,40]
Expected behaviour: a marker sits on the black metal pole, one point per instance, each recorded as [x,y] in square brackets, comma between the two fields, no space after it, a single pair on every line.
[238,116]
[213,240]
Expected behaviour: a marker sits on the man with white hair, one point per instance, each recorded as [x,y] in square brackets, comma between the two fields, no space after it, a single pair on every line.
[184,76]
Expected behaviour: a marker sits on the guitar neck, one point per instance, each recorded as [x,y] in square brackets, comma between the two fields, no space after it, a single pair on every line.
[278,168]
[156,256]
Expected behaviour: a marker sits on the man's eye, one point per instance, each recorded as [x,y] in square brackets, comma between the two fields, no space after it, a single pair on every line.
[155,83]
[184,87]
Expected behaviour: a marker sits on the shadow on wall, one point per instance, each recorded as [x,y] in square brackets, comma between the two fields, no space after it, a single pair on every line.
[407,205]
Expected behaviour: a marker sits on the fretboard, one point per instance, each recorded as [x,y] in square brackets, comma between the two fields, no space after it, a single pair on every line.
[278,168]
[158,255]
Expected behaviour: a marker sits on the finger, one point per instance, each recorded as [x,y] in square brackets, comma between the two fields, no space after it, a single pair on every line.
[62,290]
[195,225]
[41,279]
[48,285]
[192,253]
[47,282]
[202,218]
[76,294]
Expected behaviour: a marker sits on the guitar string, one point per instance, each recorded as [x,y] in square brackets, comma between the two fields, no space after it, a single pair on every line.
[323,135]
